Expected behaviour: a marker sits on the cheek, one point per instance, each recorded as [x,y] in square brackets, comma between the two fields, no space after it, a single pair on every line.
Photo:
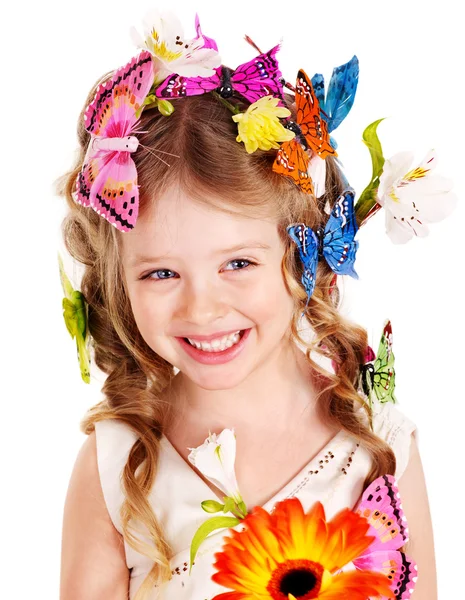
[149,313]
[269,300]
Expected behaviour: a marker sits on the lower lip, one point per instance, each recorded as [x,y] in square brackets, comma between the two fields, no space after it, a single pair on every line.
[215,358]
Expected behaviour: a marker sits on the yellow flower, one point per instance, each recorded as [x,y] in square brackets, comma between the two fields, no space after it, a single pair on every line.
[259,126]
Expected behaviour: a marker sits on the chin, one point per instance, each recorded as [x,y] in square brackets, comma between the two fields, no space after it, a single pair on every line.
[217,378]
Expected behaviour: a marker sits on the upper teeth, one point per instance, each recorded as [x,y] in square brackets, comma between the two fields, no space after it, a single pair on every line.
[217,344]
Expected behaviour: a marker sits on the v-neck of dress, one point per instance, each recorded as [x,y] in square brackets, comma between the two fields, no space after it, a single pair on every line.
[281,493]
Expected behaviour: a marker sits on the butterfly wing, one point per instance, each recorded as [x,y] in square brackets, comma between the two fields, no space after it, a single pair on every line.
[380,505]
[178,86]
[307,243]
[401,570]
[341,93]
[365,384]
[318,84]
[84,181]
[339,246]
[384,373]
[292,161]
[112,113]
[115,193]
[314,128]
[259,77]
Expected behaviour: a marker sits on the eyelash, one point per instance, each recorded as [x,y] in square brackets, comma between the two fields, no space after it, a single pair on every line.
[249,266]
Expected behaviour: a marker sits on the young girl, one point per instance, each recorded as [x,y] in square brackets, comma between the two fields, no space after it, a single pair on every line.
[197,310]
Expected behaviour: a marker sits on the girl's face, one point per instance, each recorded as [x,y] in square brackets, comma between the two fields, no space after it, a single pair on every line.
[186,280]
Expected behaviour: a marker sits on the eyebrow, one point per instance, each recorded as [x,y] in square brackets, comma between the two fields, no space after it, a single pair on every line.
[138,260]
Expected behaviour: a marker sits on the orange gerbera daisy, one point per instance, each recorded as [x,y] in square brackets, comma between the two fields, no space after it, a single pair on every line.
[290,555]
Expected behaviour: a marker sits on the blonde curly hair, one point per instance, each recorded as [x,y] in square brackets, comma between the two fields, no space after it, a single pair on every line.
[214,169]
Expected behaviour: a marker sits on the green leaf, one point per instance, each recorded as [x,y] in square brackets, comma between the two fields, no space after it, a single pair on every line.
[212,506]
[368,197]
[229,504]
[205,529]
[370,137]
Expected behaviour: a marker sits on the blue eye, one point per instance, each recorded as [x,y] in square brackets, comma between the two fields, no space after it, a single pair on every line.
[162,272]
[149,275]
[242,260]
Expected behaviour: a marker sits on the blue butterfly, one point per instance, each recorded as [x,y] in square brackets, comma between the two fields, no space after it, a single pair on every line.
[335,243]
[340,96]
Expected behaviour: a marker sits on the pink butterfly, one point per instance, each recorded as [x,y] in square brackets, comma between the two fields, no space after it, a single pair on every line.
[380,505]
[108,179]
[257,78]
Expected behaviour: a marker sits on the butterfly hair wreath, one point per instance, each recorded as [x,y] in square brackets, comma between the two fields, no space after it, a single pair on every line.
[171,67]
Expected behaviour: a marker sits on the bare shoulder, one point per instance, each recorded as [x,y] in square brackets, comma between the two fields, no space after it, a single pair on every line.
[93,564]
[420,547]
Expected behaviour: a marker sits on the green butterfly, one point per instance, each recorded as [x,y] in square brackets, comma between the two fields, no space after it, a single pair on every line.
[75,315]
[377,379]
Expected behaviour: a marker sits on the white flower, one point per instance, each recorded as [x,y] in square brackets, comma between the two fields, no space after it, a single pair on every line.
[215,460]
[412,198]
[172,53]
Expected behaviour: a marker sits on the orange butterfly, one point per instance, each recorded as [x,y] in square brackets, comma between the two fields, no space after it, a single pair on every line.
[311,134]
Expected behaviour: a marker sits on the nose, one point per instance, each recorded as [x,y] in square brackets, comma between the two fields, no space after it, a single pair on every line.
[202,304]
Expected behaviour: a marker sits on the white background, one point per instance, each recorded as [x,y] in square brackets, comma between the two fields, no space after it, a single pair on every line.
[52,52]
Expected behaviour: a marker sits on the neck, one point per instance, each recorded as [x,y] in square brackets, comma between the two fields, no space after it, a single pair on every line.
[280,391]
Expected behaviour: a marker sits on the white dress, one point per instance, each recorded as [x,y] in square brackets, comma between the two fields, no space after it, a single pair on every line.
[334,477]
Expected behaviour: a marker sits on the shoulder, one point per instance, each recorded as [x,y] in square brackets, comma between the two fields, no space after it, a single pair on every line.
[412,490]
[391,420]
[93,558]
[113,442]
[113,439]
[391,424]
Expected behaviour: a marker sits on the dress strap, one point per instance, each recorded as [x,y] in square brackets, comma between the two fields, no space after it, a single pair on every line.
[114,442]
[392,425]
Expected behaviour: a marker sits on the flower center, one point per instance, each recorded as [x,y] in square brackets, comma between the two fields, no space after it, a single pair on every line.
[301,578]
[160,48]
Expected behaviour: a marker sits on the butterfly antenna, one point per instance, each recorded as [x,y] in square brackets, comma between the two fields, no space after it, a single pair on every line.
[288,85]
[252,43]
[161,151]
[159,157]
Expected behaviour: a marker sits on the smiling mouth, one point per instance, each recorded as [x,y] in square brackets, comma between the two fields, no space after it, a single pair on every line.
[222,348]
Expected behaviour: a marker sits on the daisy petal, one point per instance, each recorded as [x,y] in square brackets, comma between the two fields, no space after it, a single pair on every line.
[358,585]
